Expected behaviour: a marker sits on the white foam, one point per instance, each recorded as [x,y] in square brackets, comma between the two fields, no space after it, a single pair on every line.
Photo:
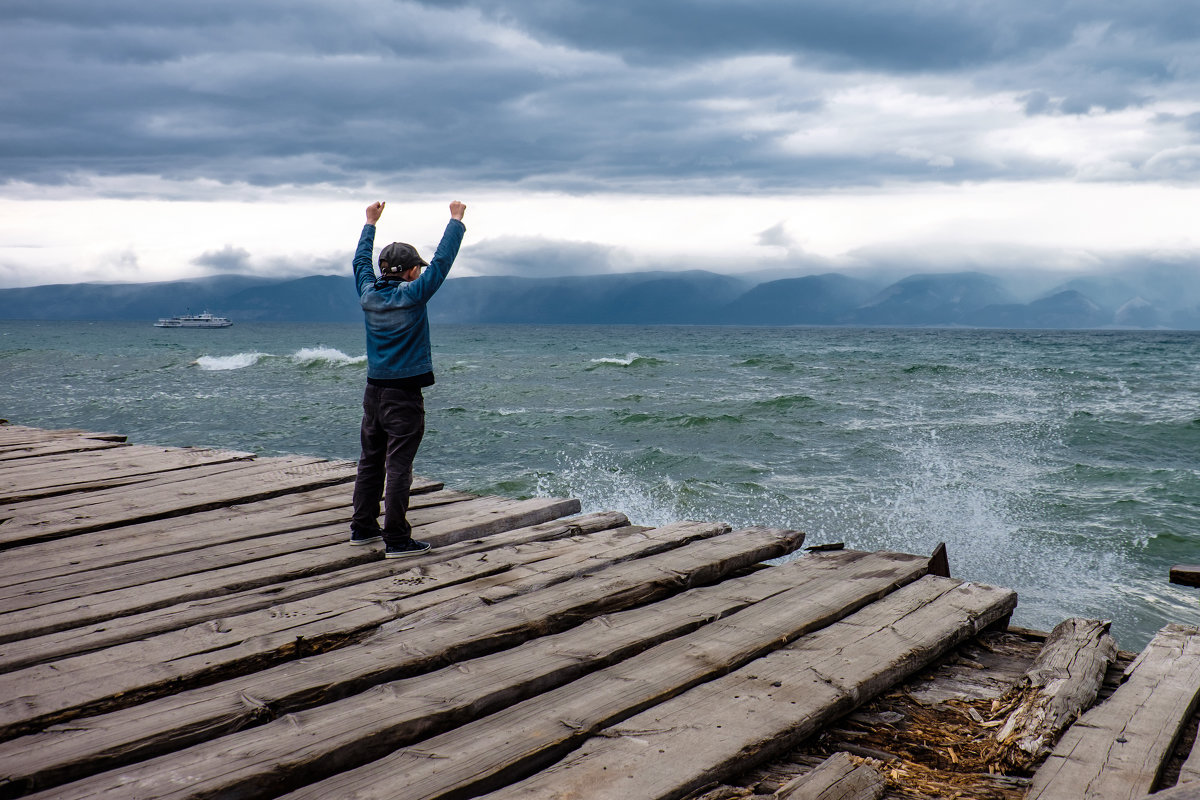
[237,361]
[624,362]
[328,355]
[600,485]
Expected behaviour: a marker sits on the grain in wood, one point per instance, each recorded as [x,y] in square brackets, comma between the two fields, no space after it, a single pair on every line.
[99,469]
[838,777]
[237,482]
[66,614]
[1117,749]
[140,542]
[1062,683]
[293,751]
[720,728]
[167,662]
[182,719]
[51,646]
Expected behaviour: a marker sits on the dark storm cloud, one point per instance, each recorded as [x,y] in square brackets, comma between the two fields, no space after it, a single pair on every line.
[561,94]
[227,259]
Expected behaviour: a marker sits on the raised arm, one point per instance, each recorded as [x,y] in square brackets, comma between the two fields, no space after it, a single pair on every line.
[364,273]
[439,266]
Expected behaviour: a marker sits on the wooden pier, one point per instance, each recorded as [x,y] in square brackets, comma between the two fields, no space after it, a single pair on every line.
[192,623]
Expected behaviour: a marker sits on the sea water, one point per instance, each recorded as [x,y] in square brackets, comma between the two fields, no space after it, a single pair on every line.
[1060,464]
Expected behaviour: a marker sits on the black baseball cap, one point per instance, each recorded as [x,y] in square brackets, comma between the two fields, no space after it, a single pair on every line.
[399,257]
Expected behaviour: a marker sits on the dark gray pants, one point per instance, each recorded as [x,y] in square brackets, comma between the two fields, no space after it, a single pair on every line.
[392,427]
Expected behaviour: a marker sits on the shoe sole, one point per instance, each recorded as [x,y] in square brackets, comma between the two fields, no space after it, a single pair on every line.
[367,541]
[407,553]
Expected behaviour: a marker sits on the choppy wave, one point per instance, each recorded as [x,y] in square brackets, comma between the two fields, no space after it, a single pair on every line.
[304,357]
[630,360]
[784,402]
[773,363]
[316,356]
[932,369]
[236,361]
[680,420]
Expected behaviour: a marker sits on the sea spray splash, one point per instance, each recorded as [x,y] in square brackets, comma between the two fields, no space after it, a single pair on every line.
[317,356]
[601,485]
[236,361]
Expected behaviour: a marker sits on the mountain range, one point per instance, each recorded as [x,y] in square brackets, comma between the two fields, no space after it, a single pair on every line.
[967,299]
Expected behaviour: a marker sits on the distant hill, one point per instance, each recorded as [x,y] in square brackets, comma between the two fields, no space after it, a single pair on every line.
[693,297]
[811,300]
[934,299]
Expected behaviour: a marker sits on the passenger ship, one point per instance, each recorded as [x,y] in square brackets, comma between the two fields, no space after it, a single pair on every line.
[205,320]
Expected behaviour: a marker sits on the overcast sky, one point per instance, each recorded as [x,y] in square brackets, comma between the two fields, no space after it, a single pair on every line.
[158,140]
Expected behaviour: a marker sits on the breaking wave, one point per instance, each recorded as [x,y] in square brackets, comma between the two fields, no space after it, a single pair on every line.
[237,361]
[630,360]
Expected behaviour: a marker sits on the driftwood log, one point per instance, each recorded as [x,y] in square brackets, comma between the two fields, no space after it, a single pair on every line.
[835,778]
[1062,683]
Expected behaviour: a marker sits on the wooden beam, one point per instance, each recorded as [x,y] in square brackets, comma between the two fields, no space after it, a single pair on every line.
[333,555]
[467,628]
[167,662]
[1186,574]
[706,734]
[140,542]
[52,646]
[1117,749]
[939,562]
[185,491]
[835,778]
[40,695]
[32,479]
[1183,791]
[731,620]
[1063,682]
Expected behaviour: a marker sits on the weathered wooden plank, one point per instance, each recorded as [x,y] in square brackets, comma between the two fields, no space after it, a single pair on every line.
[238,482]
[99,469]
[84,640]
[183,481]
[53,589]
[754,612]
[1185,791]
[835,778]
[11,433]
[142,541]
[336,555]
[466,630]
[704,735]
[1117,749]
[1186,574]
[126,673]
[1190,771]
[1062,683]
[19,452]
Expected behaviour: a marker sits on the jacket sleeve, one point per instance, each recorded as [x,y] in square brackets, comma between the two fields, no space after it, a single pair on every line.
[431,279]
[364,275]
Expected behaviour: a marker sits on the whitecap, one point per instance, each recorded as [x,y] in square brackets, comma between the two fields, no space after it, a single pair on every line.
[306,356]
[624,362]
[237,361]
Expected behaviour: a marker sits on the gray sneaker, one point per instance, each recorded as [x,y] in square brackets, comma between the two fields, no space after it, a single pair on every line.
[410,548]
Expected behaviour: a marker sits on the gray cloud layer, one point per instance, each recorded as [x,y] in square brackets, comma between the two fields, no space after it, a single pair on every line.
[579,96]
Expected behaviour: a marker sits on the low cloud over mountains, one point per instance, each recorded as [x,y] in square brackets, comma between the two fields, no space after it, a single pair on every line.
[1156,298]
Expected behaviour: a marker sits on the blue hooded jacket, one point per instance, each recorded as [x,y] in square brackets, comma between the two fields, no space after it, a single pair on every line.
[397,325]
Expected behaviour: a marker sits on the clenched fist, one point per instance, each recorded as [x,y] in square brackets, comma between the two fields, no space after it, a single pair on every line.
[374,212]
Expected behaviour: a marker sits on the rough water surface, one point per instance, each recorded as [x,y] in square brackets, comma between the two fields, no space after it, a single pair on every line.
[1061,464]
